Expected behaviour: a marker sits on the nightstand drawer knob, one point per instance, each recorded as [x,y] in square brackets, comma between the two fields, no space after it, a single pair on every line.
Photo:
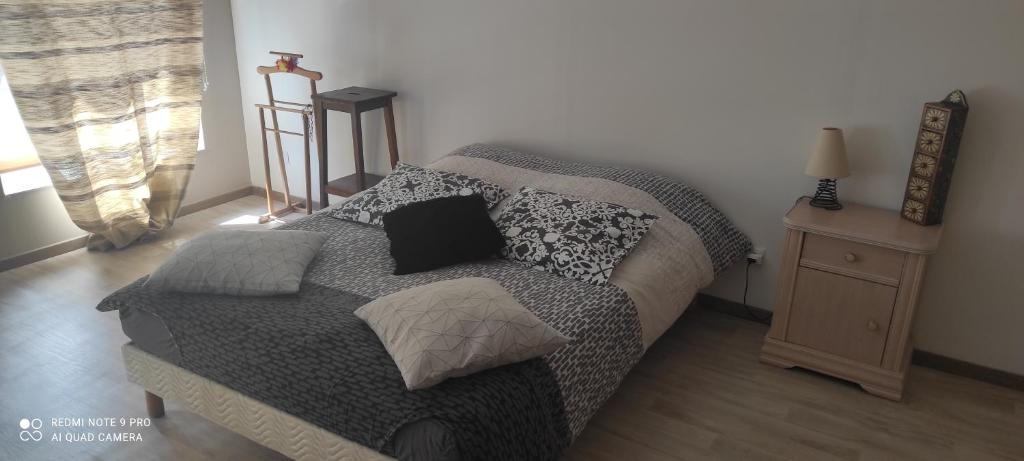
[872,325]
[850,257]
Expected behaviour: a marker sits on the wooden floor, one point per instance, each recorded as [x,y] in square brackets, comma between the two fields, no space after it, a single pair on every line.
[699,393]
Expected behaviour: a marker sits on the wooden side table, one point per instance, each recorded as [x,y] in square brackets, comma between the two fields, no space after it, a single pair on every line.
[848,286]
[354,100]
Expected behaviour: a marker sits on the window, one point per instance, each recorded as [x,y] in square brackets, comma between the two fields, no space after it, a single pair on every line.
[19,166]
[20,169]
[202,138]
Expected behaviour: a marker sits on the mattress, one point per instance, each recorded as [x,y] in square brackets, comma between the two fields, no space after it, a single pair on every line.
[261,423]
[686,247]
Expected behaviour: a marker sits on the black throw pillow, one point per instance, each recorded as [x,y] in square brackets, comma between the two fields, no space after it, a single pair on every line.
[441,232]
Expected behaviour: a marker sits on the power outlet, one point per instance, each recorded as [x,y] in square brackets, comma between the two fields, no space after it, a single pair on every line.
[756,256]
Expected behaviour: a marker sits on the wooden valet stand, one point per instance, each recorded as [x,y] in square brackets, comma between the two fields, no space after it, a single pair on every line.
[287,63]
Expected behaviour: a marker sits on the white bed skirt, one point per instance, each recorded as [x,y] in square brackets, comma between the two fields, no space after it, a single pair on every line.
[251,418]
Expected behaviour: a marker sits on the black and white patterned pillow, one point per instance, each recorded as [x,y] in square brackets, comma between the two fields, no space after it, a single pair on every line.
[411,184]
[568,236]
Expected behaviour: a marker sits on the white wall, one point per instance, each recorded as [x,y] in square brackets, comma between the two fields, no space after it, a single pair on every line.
[223,166]
[726,95]
[36,219]
[337,40]
[33,219]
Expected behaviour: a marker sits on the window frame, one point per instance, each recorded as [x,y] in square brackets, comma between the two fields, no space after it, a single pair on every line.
[8,166]
[20,162]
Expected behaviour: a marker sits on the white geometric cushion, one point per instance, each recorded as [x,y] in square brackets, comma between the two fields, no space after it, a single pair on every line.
[455,328]
[238,262]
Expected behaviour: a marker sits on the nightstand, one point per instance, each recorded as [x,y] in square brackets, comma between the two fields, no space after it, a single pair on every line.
[848,285]
[354,100]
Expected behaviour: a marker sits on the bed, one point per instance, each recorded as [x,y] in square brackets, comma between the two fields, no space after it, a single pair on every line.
[301,375]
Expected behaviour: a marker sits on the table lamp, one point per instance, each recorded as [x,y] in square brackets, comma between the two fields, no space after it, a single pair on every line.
[828,163]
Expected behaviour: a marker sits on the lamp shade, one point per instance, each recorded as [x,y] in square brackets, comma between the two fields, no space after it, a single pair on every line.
[829,158]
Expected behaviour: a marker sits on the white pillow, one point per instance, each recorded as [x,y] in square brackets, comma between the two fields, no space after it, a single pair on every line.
[455,328]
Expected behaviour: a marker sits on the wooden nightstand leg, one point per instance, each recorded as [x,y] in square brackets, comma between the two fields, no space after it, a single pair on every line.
[769,356]
[154,405]
[389,125]
[770,360]
[883,392]
[321,148]
[357,149]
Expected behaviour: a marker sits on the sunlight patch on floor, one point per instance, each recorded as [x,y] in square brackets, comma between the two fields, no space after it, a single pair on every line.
[249,219]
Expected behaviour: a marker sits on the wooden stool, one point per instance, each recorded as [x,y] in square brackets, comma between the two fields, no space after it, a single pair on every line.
[353,100]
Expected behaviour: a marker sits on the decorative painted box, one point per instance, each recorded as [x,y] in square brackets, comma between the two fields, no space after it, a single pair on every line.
[935,152]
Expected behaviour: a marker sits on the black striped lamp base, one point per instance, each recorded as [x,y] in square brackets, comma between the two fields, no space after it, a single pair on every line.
[826,196]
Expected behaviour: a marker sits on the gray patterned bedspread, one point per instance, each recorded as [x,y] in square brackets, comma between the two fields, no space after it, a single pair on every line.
[309,356]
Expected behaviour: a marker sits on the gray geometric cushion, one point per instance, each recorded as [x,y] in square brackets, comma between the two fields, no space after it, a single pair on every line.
[237,262]
[455,328]
[411,184]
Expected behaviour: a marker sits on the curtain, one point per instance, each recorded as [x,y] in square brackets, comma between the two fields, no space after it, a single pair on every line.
[110,94]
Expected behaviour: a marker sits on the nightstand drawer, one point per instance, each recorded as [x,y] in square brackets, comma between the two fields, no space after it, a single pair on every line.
[841,315]
[851,258]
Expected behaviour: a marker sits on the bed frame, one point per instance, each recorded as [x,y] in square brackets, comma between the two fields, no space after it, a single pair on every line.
[257,421]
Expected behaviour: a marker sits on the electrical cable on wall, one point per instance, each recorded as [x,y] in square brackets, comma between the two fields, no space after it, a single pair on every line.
[767,320]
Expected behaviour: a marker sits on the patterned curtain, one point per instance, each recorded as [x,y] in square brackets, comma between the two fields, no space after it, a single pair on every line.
[110,94]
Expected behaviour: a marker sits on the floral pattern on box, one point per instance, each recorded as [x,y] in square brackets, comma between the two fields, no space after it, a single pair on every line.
[935,118]
[924,165]
[929,142]
[918,188]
